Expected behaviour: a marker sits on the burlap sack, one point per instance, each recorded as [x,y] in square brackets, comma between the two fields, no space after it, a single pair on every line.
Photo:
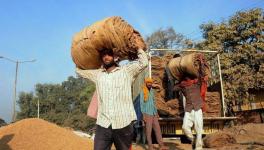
[188,64]
[111,33]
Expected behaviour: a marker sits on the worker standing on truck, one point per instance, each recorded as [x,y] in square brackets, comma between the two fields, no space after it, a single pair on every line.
[170,81]
[191,89]
[150,114]
[115,107]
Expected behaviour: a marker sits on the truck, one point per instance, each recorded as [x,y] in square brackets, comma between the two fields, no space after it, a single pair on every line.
[172,126]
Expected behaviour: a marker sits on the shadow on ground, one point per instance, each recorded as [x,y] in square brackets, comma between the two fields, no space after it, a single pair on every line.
[4,142]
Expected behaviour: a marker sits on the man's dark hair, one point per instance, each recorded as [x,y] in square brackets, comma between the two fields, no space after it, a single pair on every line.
[104,52]
[176,55]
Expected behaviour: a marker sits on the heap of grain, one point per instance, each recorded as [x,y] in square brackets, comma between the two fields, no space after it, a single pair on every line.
[37,134]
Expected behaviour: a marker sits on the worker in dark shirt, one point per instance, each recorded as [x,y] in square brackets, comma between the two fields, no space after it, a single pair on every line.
[170,81]
[191,89]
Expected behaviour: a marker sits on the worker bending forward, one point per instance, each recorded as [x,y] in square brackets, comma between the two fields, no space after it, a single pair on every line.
[191,89]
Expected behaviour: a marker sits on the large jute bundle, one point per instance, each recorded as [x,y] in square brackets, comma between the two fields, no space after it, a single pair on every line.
[189,64]
[111,33]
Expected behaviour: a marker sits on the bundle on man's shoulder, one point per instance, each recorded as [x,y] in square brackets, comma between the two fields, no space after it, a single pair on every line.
[193,64]
[111,33]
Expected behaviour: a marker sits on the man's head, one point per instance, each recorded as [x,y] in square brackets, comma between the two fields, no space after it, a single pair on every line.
[107,57]
[148,82]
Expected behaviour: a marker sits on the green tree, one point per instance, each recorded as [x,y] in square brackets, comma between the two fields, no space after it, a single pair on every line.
[64,104]
[240,41]
[27,105]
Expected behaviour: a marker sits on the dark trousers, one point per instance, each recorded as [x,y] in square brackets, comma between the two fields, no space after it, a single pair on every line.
[170,91]
[105,137]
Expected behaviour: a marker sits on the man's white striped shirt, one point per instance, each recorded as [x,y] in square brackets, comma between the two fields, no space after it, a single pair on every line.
[115,105]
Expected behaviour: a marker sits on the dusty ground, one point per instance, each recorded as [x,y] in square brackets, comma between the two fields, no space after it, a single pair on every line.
[248,136]
[173,144]
[38,134]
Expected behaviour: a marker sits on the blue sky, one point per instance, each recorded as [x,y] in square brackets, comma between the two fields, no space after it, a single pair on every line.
[43,30]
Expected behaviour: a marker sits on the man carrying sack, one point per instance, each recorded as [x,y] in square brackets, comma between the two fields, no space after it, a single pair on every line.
[192,89]
[150,114]
[115,106]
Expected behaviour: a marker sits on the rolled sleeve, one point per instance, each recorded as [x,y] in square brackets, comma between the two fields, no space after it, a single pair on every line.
[137,66]
[88,74]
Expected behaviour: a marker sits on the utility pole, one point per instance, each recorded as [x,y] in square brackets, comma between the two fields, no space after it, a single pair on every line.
[15,84]
[38,108]
[149,64]
[14,101]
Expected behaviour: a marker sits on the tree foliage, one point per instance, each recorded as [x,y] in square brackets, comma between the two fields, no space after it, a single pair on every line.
[168,38]
[240,40]
[64,104]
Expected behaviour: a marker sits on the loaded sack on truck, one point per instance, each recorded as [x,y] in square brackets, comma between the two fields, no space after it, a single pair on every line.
[111,33]
[193,64]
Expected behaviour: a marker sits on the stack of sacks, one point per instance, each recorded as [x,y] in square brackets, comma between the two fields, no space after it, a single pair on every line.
[111,33]
[188,64]
[158,65]
[213,102]
[174,107]
[171,108]
[157,71]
